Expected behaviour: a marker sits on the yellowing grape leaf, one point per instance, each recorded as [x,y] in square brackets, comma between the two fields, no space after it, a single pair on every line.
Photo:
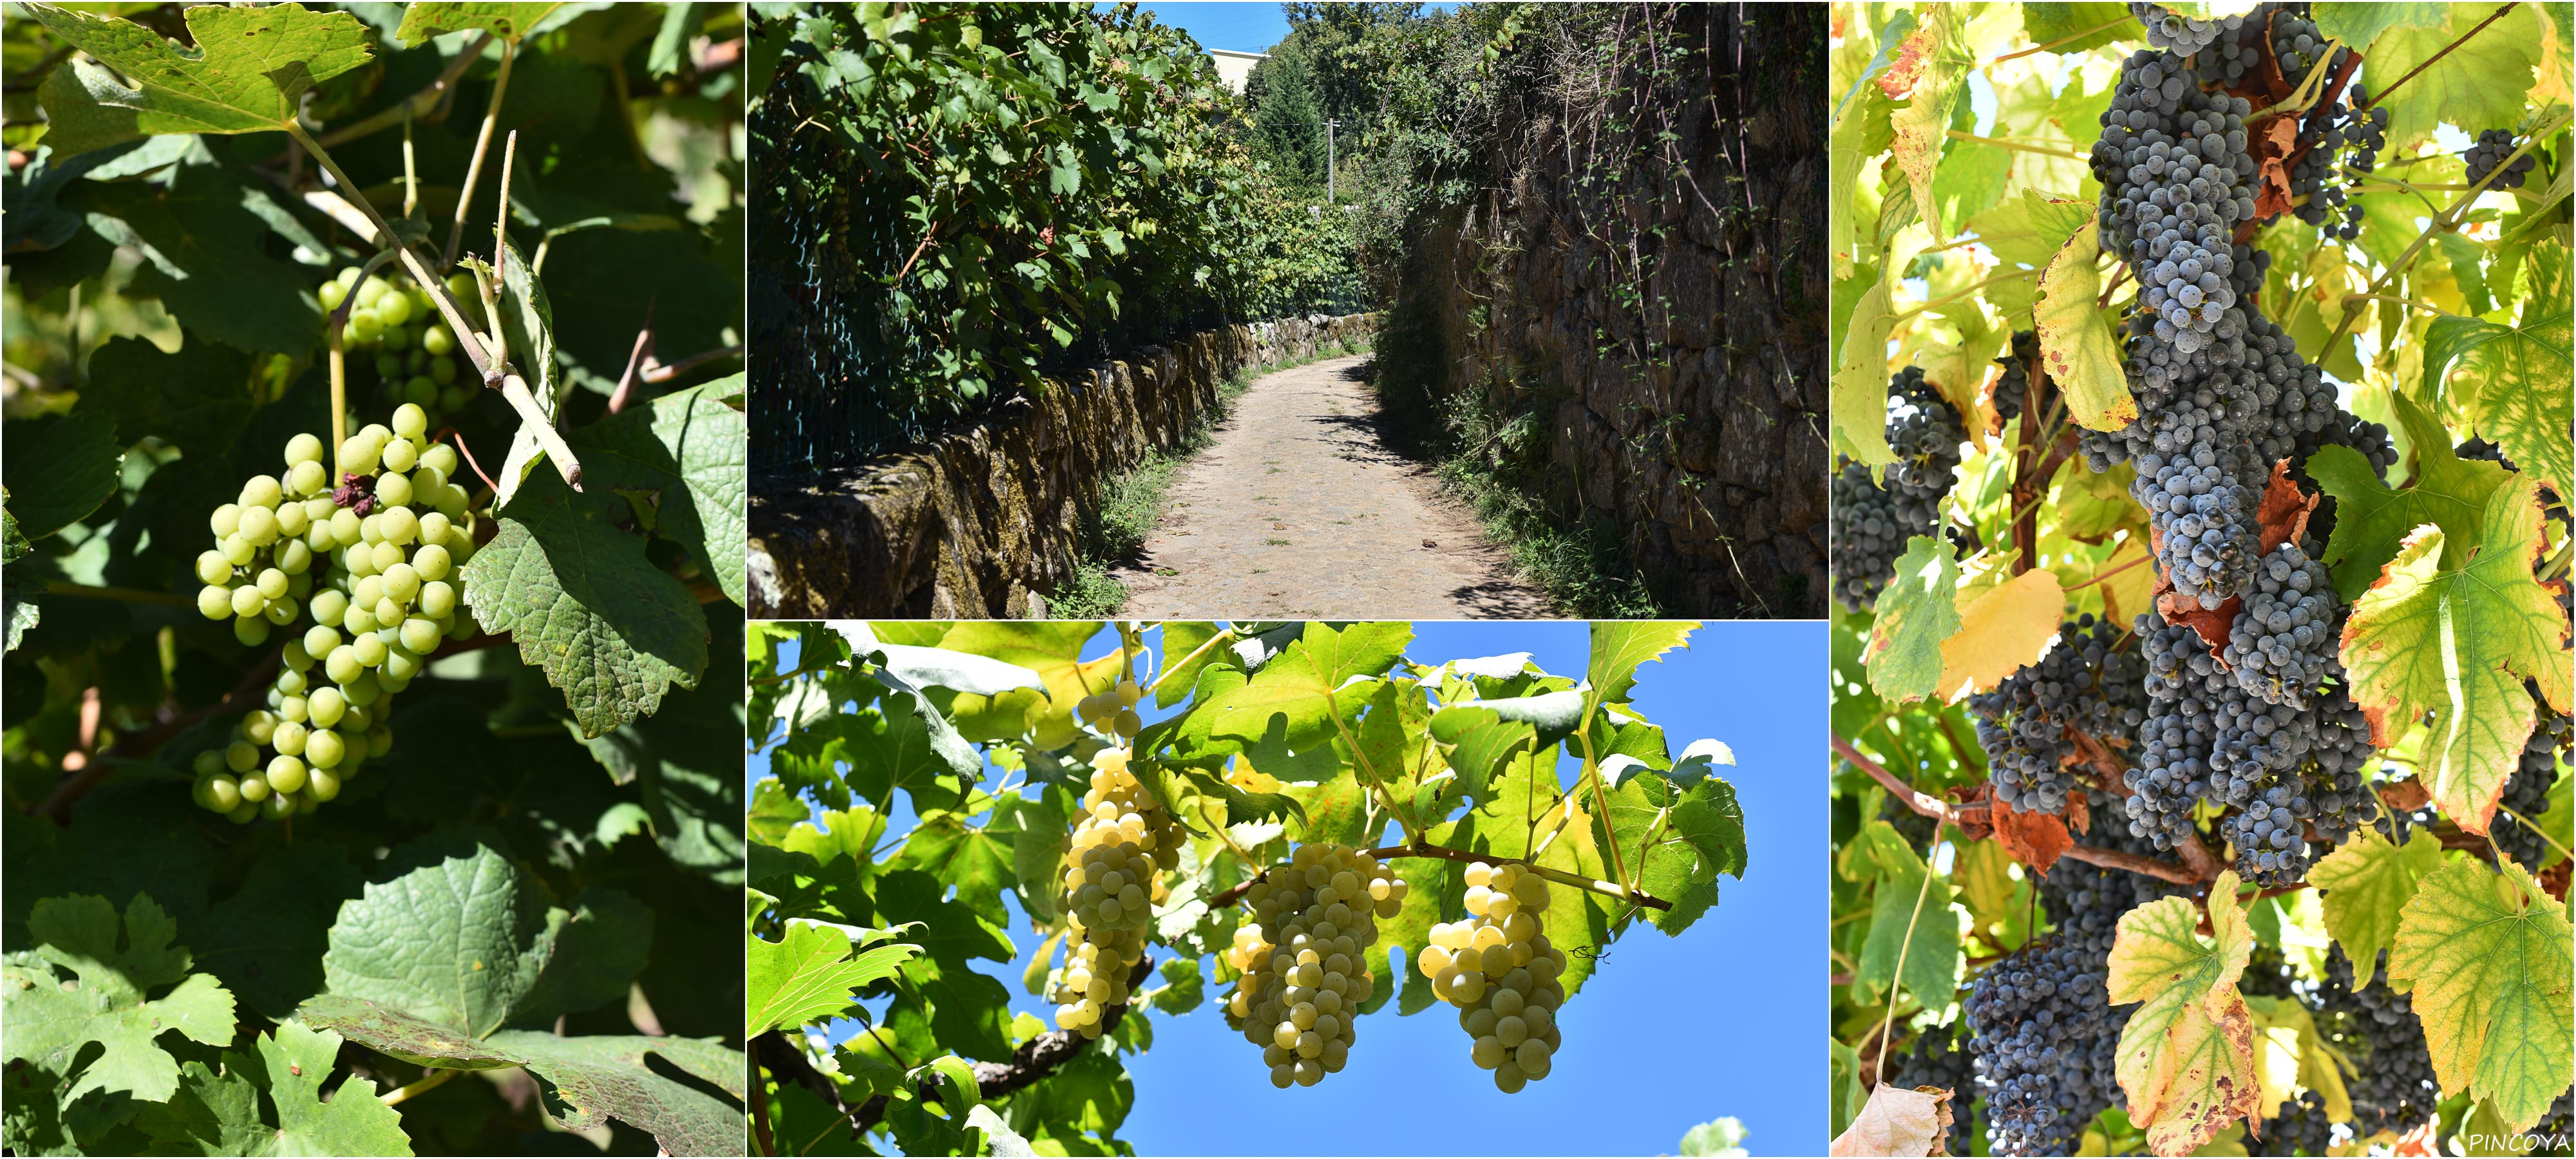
[2491,964]
[2459,644]
[1916,611]
[2187,1053]
[2002,630]
[1897,1122]
[248,70]
[2028,231]
[1940,47]
[2075,338]
[2366,882]
[2290,1054]
[2370,517]
[2513,382]
[1860,382]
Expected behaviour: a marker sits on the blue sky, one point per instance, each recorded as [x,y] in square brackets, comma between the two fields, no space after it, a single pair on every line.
[1727,1019]
[1238,27]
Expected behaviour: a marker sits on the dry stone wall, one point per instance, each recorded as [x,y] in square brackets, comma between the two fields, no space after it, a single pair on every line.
[977,523]
[1708,455]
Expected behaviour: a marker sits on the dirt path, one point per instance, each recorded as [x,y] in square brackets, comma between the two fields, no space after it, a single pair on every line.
[1299,510]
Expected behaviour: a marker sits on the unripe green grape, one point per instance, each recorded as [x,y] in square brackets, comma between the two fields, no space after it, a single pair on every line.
[321,785]
[308,478]
[395,337]
[359,621]
[392,684]
[359,560]
[215,602]
[248,602]
[420,635]
[328,606]
[393,489]
[401,454]
[397,525]
[411,422]
[362,692]
[369,649]
[303,448]
[359,719]
[259,526]
[259,726]
[213,568]
[402,582]
[244,815]
[294,558]
[402,663]
[286,771]
[389,614]
[433,529]
[293,708]
[319,537]
[385,555]
[278,613]
[453,397]
[326,707]
[208,763]
[389,366]
[358,455]
[218,793]
[292,522]
[331,294]
[262,491]
[345,525]
[367,591]
[278,807]
[438,339]
[461,287]
[225,520]
[288,739]
[420,390]
[254,787]
[271,584]
[372,289]
[363,327]
[237,551]
[324,748]
[462,628]
[451,502]
[380,740]
[431,562]
[393,309]
[342,664]
[241,756]
[437,599]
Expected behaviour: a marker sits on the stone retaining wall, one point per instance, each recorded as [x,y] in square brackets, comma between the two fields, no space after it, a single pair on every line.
[977,523]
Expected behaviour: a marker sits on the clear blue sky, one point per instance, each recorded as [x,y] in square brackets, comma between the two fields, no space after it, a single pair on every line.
[1727,1019]
[1237,27]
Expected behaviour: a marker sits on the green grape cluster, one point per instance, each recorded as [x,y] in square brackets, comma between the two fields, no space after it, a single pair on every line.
[415,353]
[1114,711]
[1497,967]
[369,568]
[1306,971]
[1121,847]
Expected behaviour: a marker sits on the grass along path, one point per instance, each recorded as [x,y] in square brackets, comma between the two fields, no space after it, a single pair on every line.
[1298,509]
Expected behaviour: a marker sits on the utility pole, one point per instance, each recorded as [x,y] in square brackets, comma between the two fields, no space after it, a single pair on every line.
[1329,125]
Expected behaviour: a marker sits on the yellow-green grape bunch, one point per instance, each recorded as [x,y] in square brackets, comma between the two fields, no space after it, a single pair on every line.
[399,544]
[295,754]
[1120,847]
[1094,975]
[262,562]
[415,352]
[1114,711]
[1301,992]
[1250,949]
[1497,967]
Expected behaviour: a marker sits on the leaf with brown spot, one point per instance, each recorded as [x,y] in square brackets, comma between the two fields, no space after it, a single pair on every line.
[1898,1122]
[2033,838]
[2187,1053]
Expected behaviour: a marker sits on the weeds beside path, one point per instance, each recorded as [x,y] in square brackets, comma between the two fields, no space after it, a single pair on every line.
[1298,509]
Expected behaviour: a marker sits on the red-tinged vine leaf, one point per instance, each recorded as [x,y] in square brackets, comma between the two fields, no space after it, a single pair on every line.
[2460,644]
[2371,518]
[1916,611]
[2284,510]
[810,974]
[2075,335]
[2490,963]
[2367,883]
[2405,796]
[2002,631]
[2187,1052]
[85,983]
[1935,61]
[2270,146]
[2513,381]
[1860,381]
[2032,838]
[1898,1122]
[250,68]
[1973,810]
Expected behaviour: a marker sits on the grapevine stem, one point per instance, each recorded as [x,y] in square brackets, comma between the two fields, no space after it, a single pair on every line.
[1897,980]
[1169,668]
[1600,801]
[1963,292]
[501,220]
[1440,853]
[2492,17]
[339,396]
[428,1082]
[1333,705]
[120,595]
[482,145]
[1938,809]
[2022,146]
[2446,221]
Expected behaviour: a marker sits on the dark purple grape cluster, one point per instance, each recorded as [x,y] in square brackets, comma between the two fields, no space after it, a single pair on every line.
[1872,523]
[2377,1028]
[2012,391]
[2085,682]
[2492,147]
[2041,1014]
[2181,35]
[2527,790]
[2285,640]
[2302,1129]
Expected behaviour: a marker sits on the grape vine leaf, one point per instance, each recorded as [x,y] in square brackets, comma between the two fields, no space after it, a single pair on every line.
[1916,611]
[2490,962]
[2289,1054]
[459,942]
[1676,839]
[2076,342]
[1860,381]
[2460,644]
[976,859]
[588,1080]
[2511,379]
[939,667]
[2004,629]
[2483,81]
[585,604]
[528,332]
[219,1113]
[2187,1052]
[1621,647]
[512,22]
[1050,648]
[206,257]
[2370,517]
[686,448]
[2029,231]
[1913,916]
[246,74]
[1897,1121]
[1938,60]
[1297,688]
[2366,883]
[53,1019]
[810,974]
[2073,28]
[198,398]
[59,470]
[266,941]
[2357,24]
